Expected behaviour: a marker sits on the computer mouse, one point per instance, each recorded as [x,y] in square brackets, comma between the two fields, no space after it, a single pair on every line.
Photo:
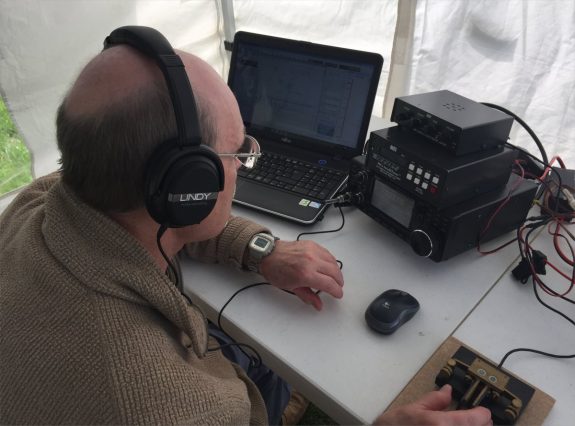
[390,310]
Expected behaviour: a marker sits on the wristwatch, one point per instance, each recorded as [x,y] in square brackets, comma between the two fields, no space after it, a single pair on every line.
[260,246]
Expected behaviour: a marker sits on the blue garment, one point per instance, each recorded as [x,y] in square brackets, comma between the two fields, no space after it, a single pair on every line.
[274,390]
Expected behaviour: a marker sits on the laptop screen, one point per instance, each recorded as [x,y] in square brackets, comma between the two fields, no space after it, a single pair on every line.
[312,96]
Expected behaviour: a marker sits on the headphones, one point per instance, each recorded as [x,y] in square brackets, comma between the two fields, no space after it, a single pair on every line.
[183,176]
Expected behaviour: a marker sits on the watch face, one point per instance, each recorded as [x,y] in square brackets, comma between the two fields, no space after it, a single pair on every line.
[261,242]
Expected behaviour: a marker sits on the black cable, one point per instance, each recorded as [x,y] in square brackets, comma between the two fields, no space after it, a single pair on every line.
[545,164]
[220,313]
[253,364]
[527,255]
[572,283]
[534,351]
[161,230]
[328,231]
[239,345]
[547,306]
[231,298]
[524,125]
[339,262]
[535,280]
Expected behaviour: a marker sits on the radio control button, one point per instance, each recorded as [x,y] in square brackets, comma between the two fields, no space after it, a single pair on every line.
[427,175]
[424,185]
[409,176]
[411,167]
[419,170]
[416,181]
[435,180]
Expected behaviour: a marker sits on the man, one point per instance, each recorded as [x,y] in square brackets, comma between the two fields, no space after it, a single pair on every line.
[93,328]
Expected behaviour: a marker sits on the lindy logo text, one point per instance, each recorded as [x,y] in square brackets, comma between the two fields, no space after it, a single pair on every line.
[199,196]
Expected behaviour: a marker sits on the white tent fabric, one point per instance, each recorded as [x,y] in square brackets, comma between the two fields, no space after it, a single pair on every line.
[514,53]
[45,43]
[518,54]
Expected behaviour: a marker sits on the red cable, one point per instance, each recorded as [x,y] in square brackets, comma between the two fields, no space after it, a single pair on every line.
[556,235]
[567,277]
[548,168]
[504,202]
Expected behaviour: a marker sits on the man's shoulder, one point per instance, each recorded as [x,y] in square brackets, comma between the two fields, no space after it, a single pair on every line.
[31,194]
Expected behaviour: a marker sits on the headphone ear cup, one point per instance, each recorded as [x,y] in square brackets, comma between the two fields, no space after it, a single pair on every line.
[182,183]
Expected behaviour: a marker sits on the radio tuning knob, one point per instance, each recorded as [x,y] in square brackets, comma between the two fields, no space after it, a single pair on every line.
[422,242]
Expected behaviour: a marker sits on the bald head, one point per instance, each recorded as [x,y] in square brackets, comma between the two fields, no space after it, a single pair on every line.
[121,73]
[111,77]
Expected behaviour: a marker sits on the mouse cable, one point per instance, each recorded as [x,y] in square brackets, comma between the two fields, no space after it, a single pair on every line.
[339,262]
[524,125]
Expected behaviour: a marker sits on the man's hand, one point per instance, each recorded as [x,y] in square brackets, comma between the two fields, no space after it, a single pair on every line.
[301,267]
[429,411]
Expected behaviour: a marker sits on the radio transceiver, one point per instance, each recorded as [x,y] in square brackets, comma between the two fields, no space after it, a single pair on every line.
[436,232]
[432,174]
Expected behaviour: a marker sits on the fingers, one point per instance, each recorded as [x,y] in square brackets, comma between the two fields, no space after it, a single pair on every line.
[436,400]
[331,269]
[324,283]
[478,416]
[439,400]
[308,296]
[305,265]
[326,265]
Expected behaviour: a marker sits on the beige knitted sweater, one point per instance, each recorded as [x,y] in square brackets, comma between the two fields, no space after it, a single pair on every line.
[92,332]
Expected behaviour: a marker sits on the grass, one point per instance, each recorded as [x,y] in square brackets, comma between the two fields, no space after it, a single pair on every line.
[15,167]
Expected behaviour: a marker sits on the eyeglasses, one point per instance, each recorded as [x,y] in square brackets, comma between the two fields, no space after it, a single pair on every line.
[248,153]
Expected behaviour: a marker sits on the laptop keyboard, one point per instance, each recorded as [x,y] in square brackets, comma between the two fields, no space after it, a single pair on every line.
[294,175]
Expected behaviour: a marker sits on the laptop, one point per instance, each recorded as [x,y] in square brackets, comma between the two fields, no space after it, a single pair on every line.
[309,107]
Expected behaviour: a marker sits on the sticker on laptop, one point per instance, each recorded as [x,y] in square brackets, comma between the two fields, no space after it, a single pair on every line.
[307,203]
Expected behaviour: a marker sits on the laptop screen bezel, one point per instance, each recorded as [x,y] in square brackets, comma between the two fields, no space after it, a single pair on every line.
[330,53]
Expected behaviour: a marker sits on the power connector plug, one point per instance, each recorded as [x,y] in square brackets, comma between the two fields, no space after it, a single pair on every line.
[522,272]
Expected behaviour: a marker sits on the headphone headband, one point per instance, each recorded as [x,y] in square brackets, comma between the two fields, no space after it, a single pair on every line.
[153,44]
